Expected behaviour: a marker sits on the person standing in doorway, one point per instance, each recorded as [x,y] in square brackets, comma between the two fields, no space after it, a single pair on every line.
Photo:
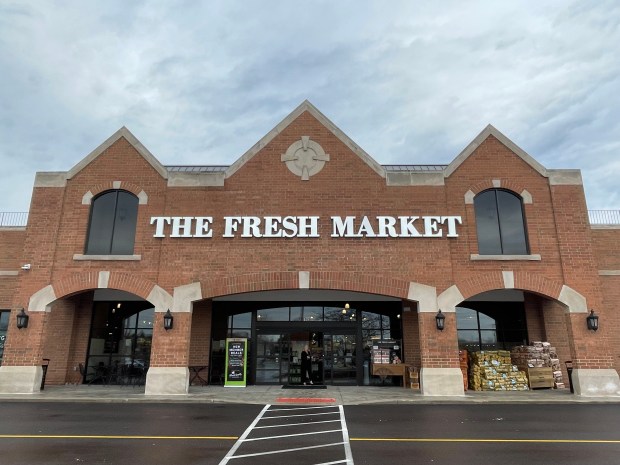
[306,366]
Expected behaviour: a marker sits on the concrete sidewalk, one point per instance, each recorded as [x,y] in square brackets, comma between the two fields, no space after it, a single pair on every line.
[337,395]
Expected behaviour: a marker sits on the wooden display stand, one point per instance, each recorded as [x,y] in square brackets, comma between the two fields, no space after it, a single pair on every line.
[540,377]
[395,369]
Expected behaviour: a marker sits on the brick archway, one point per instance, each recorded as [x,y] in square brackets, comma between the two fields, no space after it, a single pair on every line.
[270,281]
[524,281]
[79,282]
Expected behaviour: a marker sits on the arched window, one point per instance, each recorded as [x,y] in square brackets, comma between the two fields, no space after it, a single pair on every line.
[500,223]
[112,226]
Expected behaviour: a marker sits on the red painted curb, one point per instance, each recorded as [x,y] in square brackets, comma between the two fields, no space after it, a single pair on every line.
[305,400]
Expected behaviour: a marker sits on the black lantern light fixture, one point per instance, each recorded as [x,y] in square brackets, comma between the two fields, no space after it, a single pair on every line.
[168,320]
[592,320]
[22,319]
[440,320]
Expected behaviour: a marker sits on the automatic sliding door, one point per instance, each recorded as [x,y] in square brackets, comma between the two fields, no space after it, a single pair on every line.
[340,364]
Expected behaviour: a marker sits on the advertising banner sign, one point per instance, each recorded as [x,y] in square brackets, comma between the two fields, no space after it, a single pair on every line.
[236,362]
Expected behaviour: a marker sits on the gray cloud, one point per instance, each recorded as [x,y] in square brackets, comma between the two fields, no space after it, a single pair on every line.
[412,83]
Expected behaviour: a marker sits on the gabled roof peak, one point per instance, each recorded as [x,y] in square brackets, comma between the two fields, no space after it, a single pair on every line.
[490,130]
[125,133]
[305,106]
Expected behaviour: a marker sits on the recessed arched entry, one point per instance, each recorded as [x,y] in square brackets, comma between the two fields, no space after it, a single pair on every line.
[95,324]
[339,327]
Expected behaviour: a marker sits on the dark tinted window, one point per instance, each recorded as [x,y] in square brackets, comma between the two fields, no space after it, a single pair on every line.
[500,223]
[491,325]
[112,228]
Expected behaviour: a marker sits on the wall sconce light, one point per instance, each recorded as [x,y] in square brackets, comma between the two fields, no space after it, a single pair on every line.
[168,320]
[345,309]
[22,319]
[592,320]
[440,320]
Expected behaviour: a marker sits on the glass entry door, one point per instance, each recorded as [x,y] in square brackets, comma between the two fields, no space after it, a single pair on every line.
[339,366]
[272,358]
[278,357]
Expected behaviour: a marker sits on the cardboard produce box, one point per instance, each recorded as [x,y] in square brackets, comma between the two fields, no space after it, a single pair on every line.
[540,377]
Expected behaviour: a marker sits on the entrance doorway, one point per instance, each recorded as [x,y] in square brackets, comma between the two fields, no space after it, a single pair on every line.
[278,357]
[340,336]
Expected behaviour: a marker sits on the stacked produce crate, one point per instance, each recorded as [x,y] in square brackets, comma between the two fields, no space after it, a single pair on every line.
[539,355]
[464,362]
[492,370]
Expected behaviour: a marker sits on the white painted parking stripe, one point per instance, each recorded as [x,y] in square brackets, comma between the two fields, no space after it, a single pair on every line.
[305,423]
[292,435]
[288,450]
[245,434]
[332,463]
[345,437]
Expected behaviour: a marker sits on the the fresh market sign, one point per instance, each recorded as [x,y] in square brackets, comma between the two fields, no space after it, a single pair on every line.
[308,226]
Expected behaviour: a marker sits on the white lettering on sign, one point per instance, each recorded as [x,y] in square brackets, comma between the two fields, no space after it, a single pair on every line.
[271,226]
[389,226]
[308,226]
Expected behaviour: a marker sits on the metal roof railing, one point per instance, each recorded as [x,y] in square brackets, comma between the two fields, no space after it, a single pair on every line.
[13,219]
[604,216]
[415,167]
[197,168]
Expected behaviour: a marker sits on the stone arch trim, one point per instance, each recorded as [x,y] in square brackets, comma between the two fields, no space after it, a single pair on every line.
[113,185]
[78,282]
[507,184]
[525,281]
[267,281]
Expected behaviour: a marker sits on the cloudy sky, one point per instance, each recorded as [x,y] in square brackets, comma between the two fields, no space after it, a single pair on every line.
[409,81]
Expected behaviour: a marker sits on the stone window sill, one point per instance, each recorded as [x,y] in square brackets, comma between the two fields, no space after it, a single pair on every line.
[476,257]
[78,256]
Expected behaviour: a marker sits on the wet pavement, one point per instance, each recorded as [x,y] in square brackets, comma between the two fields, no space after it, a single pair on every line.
[334,395]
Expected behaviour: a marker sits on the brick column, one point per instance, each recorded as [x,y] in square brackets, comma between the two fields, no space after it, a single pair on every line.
[168,371]
[440,374]
[594,373]
[21,370]
[411,336]
[556,332]
[58,339]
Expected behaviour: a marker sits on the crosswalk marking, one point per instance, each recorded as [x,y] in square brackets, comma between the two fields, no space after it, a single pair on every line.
[293,435]
[294,449]
[296,424]
[304,415]
[243,447]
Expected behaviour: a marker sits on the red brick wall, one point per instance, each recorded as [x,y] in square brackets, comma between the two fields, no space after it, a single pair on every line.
[171,348]
[411,337]
[11,255]
[200,344]
[534,318]
[611,301]
[556,220]
[557,332]
[606,244]
[58,339]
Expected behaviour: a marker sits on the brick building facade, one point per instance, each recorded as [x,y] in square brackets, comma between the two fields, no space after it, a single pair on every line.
[304,220]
